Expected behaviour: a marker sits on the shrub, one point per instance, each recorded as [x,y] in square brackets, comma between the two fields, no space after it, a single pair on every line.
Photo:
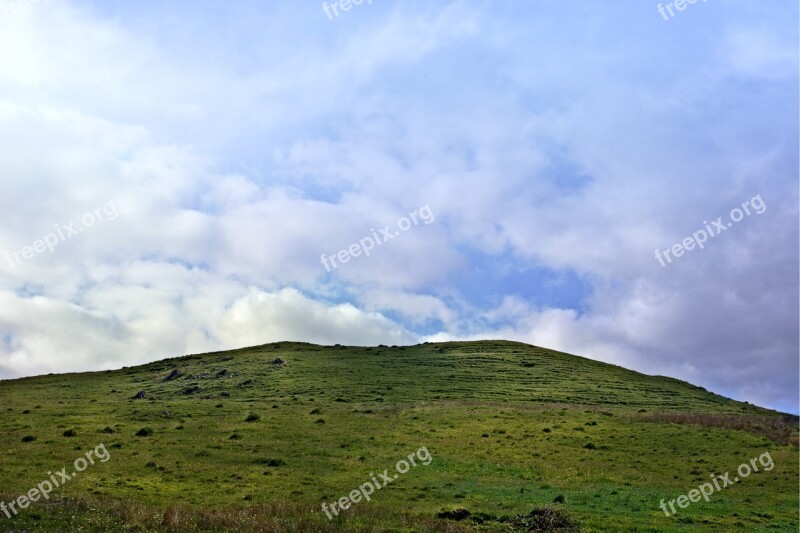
[28,438]
[546,519]
[70,433]
[145,432]
[271,462]
[455,514]
[253,417]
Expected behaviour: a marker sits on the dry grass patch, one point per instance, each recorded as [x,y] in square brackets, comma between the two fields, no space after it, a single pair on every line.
[781,429]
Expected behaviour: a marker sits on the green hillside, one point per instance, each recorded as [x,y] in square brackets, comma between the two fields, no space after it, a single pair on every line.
[257,439]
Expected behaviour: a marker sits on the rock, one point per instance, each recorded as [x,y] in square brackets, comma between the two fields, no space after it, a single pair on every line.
[173,375]
[141,395]
[278,361]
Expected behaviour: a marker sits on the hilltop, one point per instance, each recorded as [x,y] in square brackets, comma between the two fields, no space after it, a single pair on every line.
[257,439]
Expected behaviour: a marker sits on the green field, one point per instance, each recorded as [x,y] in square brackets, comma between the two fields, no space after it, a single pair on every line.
[517,434]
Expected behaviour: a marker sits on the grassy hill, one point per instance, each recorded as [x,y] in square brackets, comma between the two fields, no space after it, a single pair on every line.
[257,439]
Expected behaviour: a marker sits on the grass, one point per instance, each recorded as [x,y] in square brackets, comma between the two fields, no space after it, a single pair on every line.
[781,429]
[519,436]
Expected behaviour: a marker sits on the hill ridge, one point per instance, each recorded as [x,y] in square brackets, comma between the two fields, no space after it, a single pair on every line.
[507,365]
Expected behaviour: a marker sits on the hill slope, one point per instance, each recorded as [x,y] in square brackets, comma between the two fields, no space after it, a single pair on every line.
[257,439]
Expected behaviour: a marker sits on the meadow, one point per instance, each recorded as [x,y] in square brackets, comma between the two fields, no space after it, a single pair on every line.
[521,438]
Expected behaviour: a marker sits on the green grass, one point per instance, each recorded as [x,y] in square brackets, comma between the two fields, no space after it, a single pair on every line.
[237,443]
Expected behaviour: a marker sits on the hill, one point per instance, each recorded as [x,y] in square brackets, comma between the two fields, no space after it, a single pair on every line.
[497,436]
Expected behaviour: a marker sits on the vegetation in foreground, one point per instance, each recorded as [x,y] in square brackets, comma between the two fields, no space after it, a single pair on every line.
[522,439]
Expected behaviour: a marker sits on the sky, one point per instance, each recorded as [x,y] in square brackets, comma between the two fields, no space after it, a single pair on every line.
[601,178]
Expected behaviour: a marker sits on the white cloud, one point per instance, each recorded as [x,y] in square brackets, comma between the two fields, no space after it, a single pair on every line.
[238,158]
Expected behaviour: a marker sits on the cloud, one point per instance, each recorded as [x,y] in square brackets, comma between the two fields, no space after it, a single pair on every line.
[149,311]
[558,147]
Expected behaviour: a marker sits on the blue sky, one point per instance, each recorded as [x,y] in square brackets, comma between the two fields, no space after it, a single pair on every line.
[559,144]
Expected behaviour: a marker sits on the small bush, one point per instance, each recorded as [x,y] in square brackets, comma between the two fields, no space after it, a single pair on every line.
[274,463]
[145,432]
[28,438]
[70,433]
[546,519]
[455,514]
[253,417]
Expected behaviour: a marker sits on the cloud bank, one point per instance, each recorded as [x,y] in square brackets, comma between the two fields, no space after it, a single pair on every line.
[558,145]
